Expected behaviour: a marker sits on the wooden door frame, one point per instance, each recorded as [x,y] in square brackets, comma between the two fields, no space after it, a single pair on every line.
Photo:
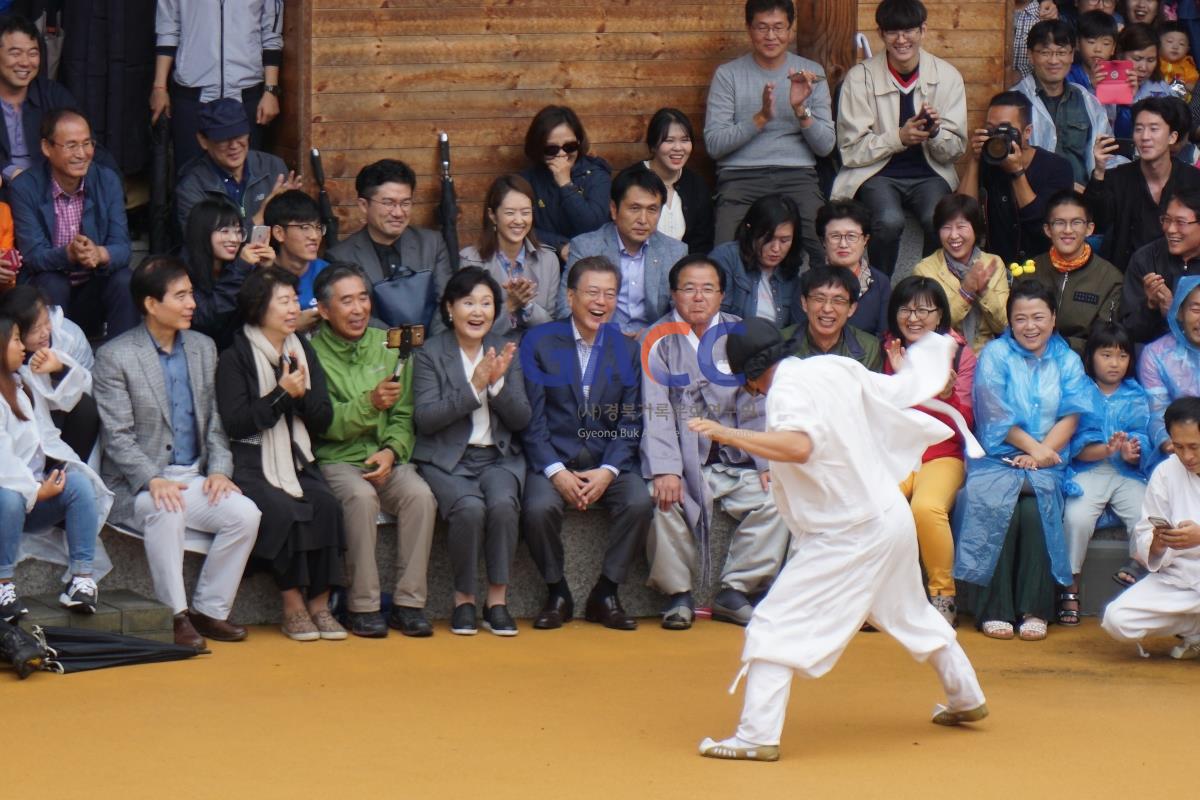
[825,31]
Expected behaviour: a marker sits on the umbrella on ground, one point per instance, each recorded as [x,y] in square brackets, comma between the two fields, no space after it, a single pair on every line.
[79,650]
[21,649]
[161,218]
[447,211]
[327,215]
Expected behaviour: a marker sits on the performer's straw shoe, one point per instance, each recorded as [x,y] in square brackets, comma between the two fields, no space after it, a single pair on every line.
[757,752]
[944,716]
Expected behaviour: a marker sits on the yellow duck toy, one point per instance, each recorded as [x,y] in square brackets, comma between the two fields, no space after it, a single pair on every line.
[1017,270]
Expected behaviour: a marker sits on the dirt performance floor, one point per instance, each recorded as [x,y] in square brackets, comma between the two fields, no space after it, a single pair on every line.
[590,713]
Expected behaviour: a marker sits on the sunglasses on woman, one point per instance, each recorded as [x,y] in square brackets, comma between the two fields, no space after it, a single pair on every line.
[552,150]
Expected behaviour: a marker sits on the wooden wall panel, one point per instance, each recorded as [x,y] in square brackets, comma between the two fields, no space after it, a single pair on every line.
[381,78]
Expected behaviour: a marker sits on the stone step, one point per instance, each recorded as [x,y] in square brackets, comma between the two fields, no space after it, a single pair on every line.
[118,611]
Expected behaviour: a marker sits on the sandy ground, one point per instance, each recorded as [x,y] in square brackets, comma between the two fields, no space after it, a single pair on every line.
[586,712]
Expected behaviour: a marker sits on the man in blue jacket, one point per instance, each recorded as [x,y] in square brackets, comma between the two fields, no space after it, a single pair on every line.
[69,216]
[584,388]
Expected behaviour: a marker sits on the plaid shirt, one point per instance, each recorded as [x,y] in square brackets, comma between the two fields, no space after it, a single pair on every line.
[68,219]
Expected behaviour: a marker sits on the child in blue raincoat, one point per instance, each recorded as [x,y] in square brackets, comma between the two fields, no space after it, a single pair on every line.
[1030,389]
[1111,455]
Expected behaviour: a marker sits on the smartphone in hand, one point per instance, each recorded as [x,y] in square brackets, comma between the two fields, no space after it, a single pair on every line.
[260,234]
[1159,522]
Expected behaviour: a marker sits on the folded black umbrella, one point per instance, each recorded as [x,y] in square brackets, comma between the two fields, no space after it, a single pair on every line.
[447,210]
[162,231]
[323,202]
[79,650]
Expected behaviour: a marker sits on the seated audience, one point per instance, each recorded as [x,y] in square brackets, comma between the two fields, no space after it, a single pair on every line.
[296,230]
[633,243]
[582,440]
[688,213]
[1138,44]
[1029,392]
[902,124]
[1175,61]
[1067,119]
[828,298]
[1095,42]
[364,455]
[1029,14]
[1086,287]
[218,261]
[1169,368]
[917,307]
[690,473]
[58,366]
[527,271]
[1166,602]
[69,214]
[768,119]
[1129,200]
[228,167]
[975,282]
[571,187]
[272,399]
[389,249]
[762,263]
[1156,268]
[469,406]
[844,229]
[1110,456]
[166,456]
[1013,191]
[42,483]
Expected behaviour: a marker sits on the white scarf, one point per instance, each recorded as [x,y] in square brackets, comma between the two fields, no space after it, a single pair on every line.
[278,463]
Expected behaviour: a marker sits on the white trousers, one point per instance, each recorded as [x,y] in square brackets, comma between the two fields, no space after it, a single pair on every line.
[831,585]
[1153,607]
[234,524]
[1101,486]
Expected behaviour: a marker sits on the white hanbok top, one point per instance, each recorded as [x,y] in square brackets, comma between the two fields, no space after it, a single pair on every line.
[1173,493]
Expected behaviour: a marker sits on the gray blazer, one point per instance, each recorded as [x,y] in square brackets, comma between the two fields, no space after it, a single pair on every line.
[443,400]
[420,249]
[668,446]
[135,417]
[661,254]
[548,304]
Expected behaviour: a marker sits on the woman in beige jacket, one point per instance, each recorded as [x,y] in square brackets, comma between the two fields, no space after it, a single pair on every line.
[976,282]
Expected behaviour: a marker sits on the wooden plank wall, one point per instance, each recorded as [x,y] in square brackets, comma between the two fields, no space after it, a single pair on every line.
[369,79]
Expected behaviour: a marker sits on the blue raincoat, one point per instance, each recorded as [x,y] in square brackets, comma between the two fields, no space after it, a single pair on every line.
[1170,367]
[1015,387]
[1127,409]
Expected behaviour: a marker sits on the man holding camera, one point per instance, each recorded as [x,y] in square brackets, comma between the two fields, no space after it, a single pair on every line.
[364,455]
[1013,179]
[1129,200]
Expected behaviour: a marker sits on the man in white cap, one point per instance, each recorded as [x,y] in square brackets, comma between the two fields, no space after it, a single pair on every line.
[839,440]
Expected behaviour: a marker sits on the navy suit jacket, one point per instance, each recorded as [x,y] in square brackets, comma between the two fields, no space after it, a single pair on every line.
[561,425]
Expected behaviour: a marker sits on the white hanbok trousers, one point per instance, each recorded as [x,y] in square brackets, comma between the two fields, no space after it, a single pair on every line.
[1154,606]
[833,584]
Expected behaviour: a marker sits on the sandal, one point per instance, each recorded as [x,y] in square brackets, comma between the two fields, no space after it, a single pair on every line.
[997,629]
[1129,574]
[1068,616]
[1033,629]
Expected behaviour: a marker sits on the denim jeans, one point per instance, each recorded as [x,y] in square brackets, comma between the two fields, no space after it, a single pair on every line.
[76,505]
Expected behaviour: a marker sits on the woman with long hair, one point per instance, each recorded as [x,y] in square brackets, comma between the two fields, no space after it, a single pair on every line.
[688,213]
[762,263]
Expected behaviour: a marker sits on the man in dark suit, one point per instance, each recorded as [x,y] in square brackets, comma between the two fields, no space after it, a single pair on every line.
[387,244]
[584,385]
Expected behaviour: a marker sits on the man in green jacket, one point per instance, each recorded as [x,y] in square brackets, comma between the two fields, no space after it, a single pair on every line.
[828,296]
[364,455]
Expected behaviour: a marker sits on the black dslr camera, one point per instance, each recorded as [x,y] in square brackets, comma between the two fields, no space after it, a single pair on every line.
[999,143]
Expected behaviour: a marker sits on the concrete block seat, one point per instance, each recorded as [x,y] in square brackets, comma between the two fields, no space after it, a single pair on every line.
[584,535]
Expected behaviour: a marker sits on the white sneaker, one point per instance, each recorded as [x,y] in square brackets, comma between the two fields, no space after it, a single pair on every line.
[11,606]
[737,750]
[1188,650]
[80,595]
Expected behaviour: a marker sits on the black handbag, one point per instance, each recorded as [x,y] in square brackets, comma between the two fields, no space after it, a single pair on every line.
[405,297]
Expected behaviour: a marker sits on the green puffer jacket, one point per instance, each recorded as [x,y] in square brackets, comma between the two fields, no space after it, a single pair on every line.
[1088,294]
[353,369]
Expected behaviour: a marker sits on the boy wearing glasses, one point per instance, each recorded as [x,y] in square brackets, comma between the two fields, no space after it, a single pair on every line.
[1014,187]
[296,229]
[69,216]
[1154,271]
[902,124]
[769,119]
[1088,287]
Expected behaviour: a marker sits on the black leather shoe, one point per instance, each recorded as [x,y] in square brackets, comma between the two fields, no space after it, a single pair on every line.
[367,624]
[558,610]
[607,610]
[410,621]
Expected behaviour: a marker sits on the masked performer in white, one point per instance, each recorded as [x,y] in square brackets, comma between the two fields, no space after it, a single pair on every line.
[840,440]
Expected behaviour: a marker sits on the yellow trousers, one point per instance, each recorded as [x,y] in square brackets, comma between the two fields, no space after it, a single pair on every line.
[931,491]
